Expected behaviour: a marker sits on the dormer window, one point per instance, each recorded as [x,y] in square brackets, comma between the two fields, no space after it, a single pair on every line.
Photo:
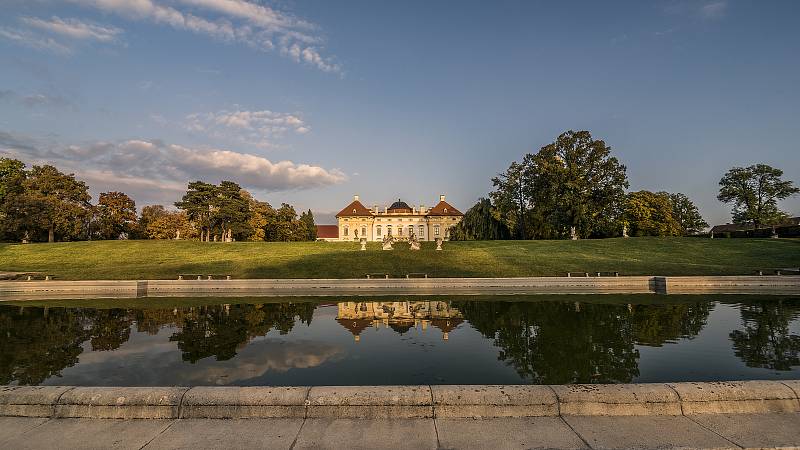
[354,210]
[445,210]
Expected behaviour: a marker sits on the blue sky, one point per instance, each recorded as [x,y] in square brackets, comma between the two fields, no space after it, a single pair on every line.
[310,102]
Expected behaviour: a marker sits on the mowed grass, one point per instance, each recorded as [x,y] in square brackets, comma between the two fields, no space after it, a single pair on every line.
[118,260]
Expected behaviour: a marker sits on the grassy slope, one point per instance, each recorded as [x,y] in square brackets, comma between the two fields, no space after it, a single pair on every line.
[166,259]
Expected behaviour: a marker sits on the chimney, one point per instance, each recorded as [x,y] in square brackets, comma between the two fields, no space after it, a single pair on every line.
[355,197]
[441,198]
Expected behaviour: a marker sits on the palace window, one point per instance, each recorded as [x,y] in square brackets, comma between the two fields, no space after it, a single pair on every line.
[436,230]
[346,230]
[363,231]
[399,230]
[410,230]
[378,230]
[421,230]
[389,230]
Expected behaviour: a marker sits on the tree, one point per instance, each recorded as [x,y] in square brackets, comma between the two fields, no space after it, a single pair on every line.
[581,182]
[115,215]
[149,214]
[687,214]
[230,211]
[480,223]
[510,196]
[197,205]
[307,219]
[12,174]
[55,202]
[170,225]
[261,213]
[650,214]
[754,192]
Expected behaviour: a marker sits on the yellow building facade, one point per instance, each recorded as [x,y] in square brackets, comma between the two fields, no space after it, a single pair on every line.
[399,220]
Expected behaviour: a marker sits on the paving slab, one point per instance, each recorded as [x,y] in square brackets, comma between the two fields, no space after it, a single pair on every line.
[755,430]
[13,427]
[196,434]
[645,432]
[367,434]
[89,434]
[493,401]
[507,433]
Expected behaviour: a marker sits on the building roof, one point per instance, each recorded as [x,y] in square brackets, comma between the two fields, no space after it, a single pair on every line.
[327,231]
[447,325]
[400,206]
[444,209]
[355,326]
[730,227]
[356,208]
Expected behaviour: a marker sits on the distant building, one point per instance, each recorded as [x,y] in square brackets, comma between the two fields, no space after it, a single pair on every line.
[327,233]
[734,227]
[399,220]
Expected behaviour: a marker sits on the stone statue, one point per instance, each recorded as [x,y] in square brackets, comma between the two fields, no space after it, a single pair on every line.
[625,230]
[363,244]
[387,242]
[413,242]
[572,234]
[438,244]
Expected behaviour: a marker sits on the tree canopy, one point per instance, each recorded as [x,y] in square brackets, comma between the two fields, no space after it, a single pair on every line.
[754,192]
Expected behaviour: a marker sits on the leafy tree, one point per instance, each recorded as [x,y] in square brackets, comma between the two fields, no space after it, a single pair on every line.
[149,214]
[583,184]
[12,174]
[115,215]
[197,203]
[230,211]
[650,214]
[307,219]
[55,202]
[170,225]
[480,223]
[511,197]
[754,192]
[687,214]
[261,213]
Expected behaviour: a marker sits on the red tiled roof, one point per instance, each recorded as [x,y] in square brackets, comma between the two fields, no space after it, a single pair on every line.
[354,209]
[327,231]
[441,207]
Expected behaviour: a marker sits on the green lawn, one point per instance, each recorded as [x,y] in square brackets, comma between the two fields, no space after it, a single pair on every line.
[166,259]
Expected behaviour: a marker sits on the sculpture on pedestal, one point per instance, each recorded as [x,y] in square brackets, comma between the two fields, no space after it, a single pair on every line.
[572,234]
[387,242]
[438,243]
[413,242]
[363,244]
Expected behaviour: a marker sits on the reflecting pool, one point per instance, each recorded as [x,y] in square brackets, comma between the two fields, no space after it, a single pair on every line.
[432,340]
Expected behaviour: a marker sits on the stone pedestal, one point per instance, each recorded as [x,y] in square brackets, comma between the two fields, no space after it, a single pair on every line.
[438,244]
[363,244]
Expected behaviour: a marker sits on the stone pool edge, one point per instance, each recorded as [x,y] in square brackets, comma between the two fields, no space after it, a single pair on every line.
[389,402]
[773,284]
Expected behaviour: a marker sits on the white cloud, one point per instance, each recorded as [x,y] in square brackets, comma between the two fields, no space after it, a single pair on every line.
[152,171]
[255,25]
[256,128]
[33,40]
[714,10]
[74,28]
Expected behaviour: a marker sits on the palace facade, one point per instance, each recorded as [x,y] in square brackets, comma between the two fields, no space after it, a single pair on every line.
[399,220]
[400,316]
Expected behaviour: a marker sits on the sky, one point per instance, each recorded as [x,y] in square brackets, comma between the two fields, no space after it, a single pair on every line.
[311,101]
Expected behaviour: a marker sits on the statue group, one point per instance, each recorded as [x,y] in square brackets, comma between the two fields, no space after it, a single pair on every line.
[413,243]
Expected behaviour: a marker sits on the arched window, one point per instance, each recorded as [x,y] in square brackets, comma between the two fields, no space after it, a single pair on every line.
[422,231]
[410,230]
[399,230]
[436,230]
[346,230]
[389,230]
[378,230]
[363,231]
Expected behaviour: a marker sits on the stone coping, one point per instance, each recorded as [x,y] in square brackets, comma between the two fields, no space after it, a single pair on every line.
[371,402]
[22,290]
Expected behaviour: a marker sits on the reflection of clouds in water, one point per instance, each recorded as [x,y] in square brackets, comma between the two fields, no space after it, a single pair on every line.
[150,361]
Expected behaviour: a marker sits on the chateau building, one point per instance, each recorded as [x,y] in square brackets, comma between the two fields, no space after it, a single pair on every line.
[399,220]
[400,316]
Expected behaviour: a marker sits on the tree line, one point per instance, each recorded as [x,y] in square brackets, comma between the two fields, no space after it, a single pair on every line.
[575,188]
[44,204]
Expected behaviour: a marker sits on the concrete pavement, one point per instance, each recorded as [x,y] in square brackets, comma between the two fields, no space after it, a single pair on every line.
[703,431]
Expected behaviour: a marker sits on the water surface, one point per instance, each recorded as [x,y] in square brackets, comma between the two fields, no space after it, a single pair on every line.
[358,341]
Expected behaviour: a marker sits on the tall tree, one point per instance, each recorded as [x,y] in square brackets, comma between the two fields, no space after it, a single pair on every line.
[754,192]
[55,202]
[230,211]
[650,214]
[149,214]
[307,219]
[115,215]
[170,225]
[197,205]
[687,214]
[12,174]
[583,184]
[511,197]
[261,213]
[480,223]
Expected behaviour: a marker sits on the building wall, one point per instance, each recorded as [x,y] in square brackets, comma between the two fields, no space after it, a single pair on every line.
[396,221]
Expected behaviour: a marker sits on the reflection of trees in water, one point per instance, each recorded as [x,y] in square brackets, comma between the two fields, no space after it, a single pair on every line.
[38,343]
[559,342]
[766,340]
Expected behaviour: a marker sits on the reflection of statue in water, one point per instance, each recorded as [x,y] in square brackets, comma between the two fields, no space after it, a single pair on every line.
[413,242]
[388,240]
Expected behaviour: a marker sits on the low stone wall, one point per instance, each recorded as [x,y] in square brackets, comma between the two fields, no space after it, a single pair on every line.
[457,401]
[20,290]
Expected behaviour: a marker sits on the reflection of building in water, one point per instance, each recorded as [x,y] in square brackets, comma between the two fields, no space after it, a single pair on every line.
[399,316]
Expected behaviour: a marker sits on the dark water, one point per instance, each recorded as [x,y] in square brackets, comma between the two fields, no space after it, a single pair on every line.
[548,340]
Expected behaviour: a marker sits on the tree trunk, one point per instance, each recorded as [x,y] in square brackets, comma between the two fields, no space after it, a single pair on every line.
[51,234]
